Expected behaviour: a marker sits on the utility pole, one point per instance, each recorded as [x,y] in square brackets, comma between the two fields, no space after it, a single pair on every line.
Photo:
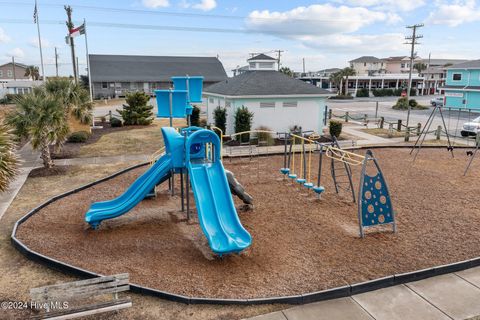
[279,54]
[70,26]
[303,60]
[411,40]
[14,73]
[56,62]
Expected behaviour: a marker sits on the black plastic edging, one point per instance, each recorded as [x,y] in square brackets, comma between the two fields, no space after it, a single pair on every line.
[338,292]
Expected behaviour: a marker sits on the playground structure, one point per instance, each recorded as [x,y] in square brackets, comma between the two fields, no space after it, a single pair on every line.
[450,146]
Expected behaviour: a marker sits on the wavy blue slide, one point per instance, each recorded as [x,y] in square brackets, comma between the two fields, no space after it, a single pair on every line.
[99,211]
[216,211]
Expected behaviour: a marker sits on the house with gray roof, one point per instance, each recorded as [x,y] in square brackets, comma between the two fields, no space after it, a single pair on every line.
[277,101]
[115,75]
[367,65]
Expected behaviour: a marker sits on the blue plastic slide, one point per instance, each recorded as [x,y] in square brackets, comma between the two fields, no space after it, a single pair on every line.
[216,211]
[157,173]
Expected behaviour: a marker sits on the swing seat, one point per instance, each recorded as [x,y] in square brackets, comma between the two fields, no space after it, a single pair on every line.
[318,189]
[292,176]
[301,181]
[285,170]
[308,185]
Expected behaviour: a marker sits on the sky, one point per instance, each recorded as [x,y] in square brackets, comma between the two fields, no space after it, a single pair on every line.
[324,33]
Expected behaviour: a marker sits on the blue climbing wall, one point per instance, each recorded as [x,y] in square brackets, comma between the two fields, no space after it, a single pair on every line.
[376,207]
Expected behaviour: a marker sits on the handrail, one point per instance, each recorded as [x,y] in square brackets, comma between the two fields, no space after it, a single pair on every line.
[251,131]
[154,157]
[344,156]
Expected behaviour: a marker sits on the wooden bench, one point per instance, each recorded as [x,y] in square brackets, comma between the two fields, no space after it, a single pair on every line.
[64,301]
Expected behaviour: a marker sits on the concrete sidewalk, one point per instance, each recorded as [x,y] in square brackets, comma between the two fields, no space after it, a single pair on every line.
[30,160]
[449,296]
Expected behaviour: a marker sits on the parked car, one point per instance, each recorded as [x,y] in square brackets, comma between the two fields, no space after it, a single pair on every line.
[471,128]
[438,101]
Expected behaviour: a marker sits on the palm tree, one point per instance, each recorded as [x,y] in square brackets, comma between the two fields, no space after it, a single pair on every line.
[74,98]
[347,72]
[8,158]
[336,79]
[419,66]
[32,71]
[40,116]
[287,71]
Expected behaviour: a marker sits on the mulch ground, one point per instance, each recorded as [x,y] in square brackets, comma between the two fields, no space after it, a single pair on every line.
[300,244]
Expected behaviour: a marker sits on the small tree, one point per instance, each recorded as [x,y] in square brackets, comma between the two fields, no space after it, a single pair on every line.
[335,128]
[32,72]
[420,66]
[287,71]
[8,158]
[243,122]
[137,111]
[195,117]
[40,116]
[220,118]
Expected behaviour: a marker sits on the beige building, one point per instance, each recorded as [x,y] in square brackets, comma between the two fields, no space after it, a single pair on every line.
[399,64]
[8,72]
[367,65]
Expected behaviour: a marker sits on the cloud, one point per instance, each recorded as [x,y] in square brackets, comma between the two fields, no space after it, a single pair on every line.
[205,5]
[318,20]
[34,43]
[455,13]
[16,52]
[156,3]
[3,36]
[388,5]
[389,42]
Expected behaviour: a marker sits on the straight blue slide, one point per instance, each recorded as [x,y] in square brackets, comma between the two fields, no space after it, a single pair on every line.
[216,211]
[156,174]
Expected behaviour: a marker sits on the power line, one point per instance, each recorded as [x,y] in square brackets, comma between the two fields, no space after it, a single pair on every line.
[178,14]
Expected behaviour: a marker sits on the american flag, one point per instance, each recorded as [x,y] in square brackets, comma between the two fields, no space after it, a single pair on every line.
[35,13]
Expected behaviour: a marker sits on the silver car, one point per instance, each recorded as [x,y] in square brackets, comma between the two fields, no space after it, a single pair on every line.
[438,101]
[471,128]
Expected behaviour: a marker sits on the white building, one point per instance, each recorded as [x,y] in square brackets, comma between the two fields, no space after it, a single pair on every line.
[278,101]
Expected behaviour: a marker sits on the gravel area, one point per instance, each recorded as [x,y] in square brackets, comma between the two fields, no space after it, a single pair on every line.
[300,244]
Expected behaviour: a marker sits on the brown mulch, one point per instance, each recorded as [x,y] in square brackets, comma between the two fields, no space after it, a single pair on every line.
[47,172]
[71,150]
[300,244]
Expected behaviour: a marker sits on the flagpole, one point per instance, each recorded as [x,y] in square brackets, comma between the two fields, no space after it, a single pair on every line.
[39,40]
[88,62]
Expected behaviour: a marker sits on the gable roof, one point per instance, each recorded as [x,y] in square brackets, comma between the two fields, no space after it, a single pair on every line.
[129,68]
[261,56]
[264,83]
[366,59]
[472,64]
[17,64]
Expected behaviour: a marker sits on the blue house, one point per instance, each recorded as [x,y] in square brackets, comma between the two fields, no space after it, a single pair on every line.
[462,86]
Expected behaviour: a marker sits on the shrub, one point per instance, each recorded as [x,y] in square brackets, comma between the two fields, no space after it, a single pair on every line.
[335,128]
[78,137]
[413,92]
[363,92]
[202,123]
[413,103]
[115,122]
[195,117]
[264,136]
[385,92]
[220,118]
[341,97]
[402,104]
[243,122]
[136,111]
[398,92]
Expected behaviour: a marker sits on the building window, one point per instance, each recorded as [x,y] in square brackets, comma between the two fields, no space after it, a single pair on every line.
[104,85]
[364,64]
[211,100]
[290,104]
[252,65]
[228,104]
[402,65]
[1,73]
[457,77]
[267,104]
[265,65]
[9,73]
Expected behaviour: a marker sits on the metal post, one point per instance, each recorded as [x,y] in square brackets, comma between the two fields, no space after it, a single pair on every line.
[330,114]
[187,187]
[304,160]
[399,125]
[173,182]
[320,158]
[170,95]
[376,110]
[182,195]
[419,128]
[382,122]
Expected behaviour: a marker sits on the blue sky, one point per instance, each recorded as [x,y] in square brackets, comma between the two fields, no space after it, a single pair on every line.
[325,33]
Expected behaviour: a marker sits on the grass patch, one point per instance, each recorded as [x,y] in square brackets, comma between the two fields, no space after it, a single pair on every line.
[384,132]
[145,140]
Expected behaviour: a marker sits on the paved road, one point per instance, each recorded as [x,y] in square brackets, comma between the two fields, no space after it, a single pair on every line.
[360,106]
